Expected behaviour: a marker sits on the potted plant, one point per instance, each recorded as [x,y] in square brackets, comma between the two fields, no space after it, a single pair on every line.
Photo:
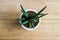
[30,19]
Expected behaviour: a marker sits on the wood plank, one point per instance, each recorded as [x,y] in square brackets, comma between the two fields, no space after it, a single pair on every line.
[49,28]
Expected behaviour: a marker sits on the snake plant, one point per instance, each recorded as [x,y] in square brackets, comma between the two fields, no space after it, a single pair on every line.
[31,19]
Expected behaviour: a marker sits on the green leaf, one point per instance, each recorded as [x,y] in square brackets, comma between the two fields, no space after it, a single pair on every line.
[25,22]
[41,10]
[21,18]
[42,14]
[36,20]
[33,15]
[31,25]
[24,12]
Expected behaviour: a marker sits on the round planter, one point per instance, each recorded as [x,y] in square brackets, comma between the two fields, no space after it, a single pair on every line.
[35,26]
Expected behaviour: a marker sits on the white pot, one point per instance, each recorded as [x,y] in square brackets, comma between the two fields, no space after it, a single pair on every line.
[35,26]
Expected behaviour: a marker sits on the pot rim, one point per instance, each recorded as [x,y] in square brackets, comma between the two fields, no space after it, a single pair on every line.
[36,25]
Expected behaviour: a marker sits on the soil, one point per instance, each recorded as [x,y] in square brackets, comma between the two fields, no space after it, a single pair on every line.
[29,13]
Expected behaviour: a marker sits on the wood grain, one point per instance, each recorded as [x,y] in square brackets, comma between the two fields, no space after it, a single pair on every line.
[50,24]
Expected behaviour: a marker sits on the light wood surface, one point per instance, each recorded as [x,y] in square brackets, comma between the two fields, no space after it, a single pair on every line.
[50,24]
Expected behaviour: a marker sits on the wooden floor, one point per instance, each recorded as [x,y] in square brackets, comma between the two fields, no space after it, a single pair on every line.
[50,24]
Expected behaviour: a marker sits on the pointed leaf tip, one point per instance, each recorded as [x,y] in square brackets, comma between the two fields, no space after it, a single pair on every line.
[42,10]
[42,14]
[23,11]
